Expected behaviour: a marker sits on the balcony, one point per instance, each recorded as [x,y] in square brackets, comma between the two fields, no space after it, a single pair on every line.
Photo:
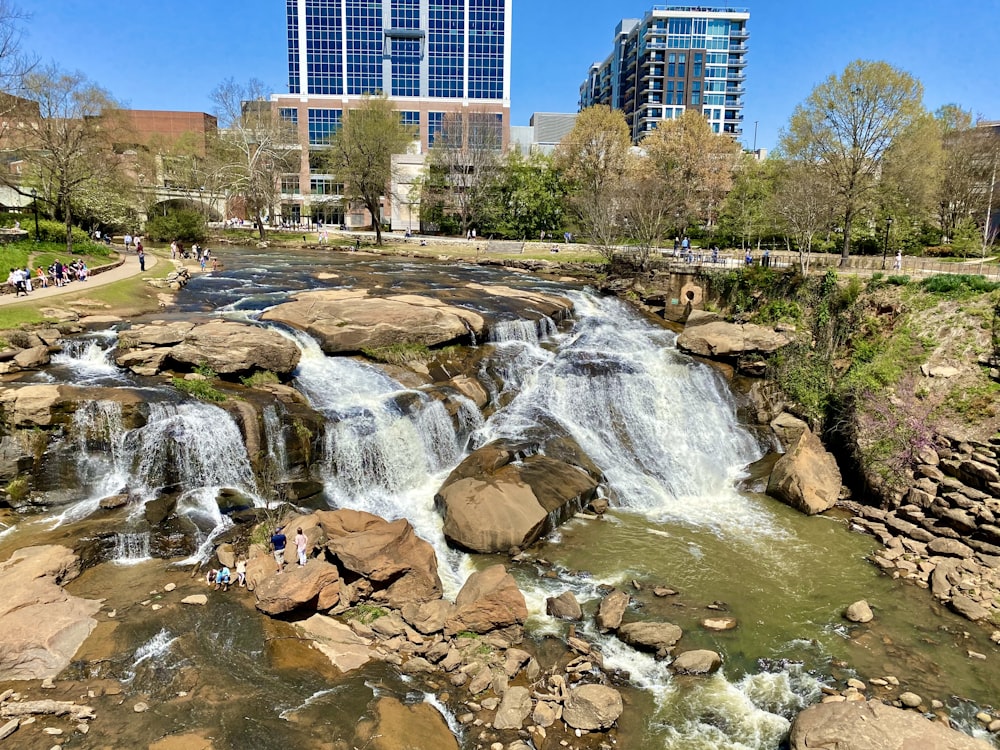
[736,75]
[733,117]
[737,62]
[739,34]
[741,48]
[736,90]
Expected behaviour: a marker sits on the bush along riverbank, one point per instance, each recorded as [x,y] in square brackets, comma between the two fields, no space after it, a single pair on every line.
[901,381]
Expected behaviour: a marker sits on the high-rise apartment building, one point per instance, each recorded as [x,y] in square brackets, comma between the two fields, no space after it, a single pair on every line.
[675,58]
[431,58]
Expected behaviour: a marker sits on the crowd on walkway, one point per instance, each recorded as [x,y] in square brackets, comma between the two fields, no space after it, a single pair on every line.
[23,281]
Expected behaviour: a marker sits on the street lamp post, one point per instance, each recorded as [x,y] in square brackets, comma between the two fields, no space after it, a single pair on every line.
[34,202]
[885,246]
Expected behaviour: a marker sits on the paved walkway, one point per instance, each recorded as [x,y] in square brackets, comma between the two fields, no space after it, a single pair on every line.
[127,270]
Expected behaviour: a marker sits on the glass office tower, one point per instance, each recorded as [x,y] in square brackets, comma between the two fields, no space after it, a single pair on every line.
[675,58]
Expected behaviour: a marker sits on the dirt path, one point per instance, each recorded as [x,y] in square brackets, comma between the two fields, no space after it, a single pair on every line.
[127,270]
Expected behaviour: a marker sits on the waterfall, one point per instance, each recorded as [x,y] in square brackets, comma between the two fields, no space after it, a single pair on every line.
[89,358]
[194,446]
[387,449]
[131,547]
[522,329]
[274,436]
[154,650]
[662,427]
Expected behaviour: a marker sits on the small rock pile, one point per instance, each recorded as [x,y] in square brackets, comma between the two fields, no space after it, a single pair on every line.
[944,534]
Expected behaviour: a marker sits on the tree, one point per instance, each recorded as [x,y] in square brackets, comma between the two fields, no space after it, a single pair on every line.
[70,144]
[803,203]
[846,127]
[463,163]
[593,159]
[747,209]
[646,206]
[252,149]
[696,163]
[528,194]
[360,153]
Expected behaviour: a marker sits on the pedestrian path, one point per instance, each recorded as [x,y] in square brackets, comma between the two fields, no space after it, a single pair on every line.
[126,270]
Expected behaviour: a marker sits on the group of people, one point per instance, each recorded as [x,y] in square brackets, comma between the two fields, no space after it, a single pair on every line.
[222,578]
[279,541]
[22,281]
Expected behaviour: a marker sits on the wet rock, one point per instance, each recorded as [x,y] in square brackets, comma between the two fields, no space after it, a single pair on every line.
[298,586]
[546,714]
[872,724]
[345,649]
[701,661]
[859,612]
[514,709]
[968,608]
[612,610]
[396,726]
[42,625]
[565,607]
[592,707]
[489,600]
[46,708]
[719,623]
[807,477]
[9,728]
[114,502]
[33,358]
[658,637]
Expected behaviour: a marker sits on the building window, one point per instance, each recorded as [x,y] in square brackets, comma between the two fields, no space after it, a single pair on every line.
[323,123]
[324,61]
[325,186]
[435,123]
[289,115]
[410,120]
[289,184]
[363,32]
[446,48]
[292,14]
[486,49]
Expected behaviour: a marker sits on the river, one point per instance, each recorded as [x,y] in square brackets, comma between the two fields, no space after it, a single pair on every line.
[662,427]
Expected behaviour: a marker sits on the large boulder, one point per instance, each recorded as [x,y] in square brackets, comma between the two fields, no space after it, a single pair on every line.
[229,347]
[658,637]
[401,566]
[492,502]
[348,320]
[592,707]
[489,600]
[296,587]
[707,336]
[700,661]
[514,709]
[31,406]
[42,625]
[612,610]
[865,725]
[565,606]
[807,477]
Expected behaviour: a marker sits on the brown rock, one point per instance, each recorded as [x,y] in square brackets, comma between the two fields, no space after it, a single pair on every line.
[42,625]
[807,477]
[489,600]
[398,726]
[701,661]
[612,610]
[296,587]
[33,358]
[229,347]
[872,724]
[342,646]
[859,612]
[950,548]
[658,637]
[721,339]
[565,607]
[514,709]
[592,707]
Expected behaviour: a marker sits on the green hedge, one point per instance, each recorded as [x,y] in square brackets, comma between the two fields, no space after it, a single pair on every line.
[181,224]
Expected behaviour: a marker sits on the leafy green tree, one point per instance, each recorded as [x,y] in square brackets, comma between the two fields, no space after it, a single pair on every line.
[70,144]
[696,164]
[529,195]
[848,125]
[252,149]
[593,159]
[803,205]
[747,210]
[360,153]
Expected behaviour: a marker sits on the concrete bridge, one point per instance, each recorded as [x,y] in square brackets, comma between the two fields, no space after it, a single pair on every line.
[211,204]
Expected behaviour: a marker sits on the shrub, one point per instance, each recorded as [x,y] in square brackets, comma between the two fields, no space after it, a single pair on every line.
[366,614]
[399,354]
[958,284]
[259,378]
[199,389]
[180,224]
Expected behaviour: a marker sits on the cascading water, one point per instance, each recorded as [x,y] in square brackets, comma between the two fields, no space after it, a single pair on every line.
[274,436]
[88,359]
[521,329]
[662,428]
[387,449]
[194,446]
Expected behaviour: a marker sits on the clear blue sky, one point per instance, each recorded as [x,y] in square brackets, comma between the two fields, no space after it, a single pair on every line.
[171,54]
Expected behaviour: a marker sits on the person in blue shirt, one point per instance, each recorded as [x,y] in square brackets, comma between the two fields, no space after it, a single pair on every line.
[278,542]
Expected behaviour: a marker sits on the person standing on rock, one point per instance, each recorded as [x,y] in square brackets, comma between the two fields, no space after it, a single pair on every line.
[301,542]
[278,542]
